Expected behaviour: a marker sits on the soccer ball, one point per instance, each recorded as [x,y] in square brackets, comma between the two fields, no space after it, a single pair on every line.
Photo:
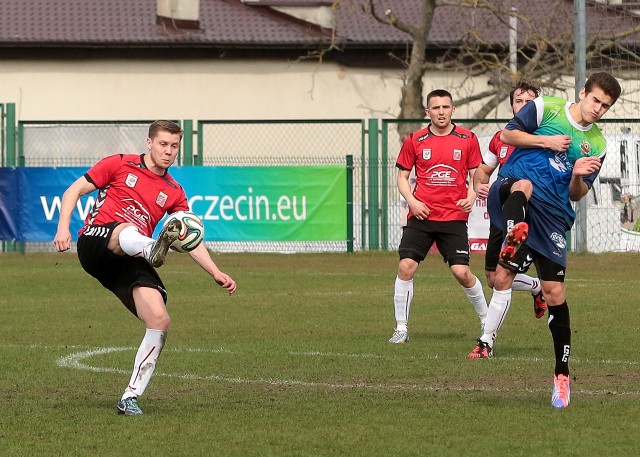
[190,235]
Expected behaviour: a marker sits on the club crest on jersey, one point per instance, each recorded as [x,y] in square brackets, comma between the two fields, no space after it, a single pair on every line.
[457,154]
[162,199]
[426,154]
[585,147]
[131,180]
[503,151]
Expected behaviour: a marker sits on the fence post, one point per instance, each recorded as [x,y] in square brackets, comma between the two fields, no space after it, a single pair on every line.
[384,189]
[374,212]
[187,142]
[363,188]
[11,135]
[12,161]
[349,203]
[199,157]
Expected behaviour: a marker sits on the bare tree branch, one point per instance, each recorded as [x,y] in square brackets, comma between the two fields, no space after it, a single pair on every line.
[545,53]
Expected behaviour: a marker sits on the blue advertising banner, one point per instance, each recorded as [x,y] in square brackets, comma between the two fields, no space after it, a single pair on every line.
[235,203]
[30,202]
[8,204]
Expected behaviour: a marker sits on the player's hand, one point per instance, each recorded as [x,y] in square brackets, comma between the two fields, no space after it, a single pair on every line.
[584,166]
[482,191]
[62,240]
[225,281]
[558,143]
[419,210]
[466,204]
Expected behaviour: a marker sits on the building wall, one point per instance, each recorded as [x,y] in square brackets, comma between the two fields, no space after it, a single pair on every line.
[198,89]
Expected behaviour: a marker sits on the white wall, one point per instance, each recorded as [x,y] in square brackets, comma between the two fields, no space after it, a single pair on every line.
[196,89]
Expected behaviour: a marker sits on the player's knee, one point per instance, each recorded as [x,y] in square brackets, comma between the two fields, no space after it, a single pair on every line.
[463,275]
[114,241]
[503,278]
[407,269]
[554,293]
[158,321]
[525,186]
[166,321]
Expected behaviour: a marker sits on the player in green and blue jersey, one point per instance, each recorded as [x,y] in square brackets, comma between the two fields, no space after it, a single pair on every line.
[559,152]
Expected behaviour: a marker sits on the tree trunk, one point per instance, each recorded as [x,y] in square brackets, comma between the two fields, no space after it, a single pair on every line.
[411,104]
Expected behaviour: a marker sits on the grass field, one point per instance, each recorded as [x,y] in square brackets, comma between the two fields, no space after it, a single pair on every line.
[297,363]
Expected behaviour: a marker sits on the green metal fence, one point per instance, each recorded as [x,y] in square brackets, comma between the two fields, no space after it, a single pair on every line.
[289,142]
[221,143]
[366,147]
[8,134]
[610,210]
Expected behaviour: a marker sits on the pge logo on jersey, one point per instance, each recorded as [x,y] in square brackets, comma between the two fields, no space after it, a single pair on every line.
[441,175]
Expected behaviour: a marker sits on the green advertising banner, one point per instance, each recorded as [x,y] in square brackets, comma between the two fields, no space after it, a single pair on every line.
[307,203]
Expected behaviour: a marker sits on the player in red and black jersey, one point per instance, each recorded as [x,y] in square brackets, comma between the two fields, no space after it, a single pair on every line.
[444,157]
[130,192]
[496,156]
[115,244]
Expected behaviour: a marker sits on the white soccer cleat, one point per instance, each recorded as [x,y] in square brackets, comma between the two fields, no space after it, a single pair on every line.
[399,337]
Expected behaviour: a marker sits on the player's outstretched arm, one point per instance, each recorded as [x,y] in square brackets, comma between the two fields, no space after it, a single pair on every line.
[201,256]
[519,138]
[81,186]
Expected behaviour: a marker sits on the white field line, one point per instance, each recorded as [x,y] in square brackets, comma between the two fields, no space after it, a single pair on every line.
[76,361]
[439,357]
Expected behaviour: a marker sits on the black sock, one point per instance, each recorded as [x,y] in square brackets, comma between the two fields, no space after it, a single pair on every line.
[560,327]
[514,209]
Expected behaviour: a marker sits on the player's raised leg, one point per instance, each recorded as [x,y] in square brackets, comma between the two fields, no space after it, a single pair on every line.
[523,282]
[512,242]
[157,252]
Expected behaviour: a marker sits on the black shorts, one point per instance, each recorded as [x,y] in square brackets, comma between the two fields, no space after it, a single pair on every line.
[548,270]
[451,238]
[522,261]
[118,273]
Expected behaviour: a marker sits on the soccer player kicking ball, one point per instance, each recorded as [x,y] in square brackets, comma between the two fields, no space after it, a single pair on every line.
[114,246]
[558,155]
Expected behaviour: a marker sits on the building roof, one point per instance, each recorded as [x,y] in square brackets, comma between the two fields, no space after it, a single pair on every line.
[258,24]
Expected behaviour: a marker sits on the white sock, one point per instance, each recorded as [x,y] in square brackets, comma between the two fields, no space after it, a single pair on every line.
[475,295]
[133,242]
[498,308]
[402,302]
[526,283]
[145,362]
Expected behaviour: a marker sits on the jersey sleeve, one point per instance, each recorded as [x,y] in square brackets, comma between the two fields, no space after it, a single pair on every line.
[181,205]
[529,117]
[101,173]
[178,200]
[490,156]
[406,157]
[474,159]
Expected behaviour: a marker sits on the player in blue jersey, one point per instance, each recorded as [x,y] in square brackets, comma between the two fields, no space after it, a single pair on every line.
[559,152]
